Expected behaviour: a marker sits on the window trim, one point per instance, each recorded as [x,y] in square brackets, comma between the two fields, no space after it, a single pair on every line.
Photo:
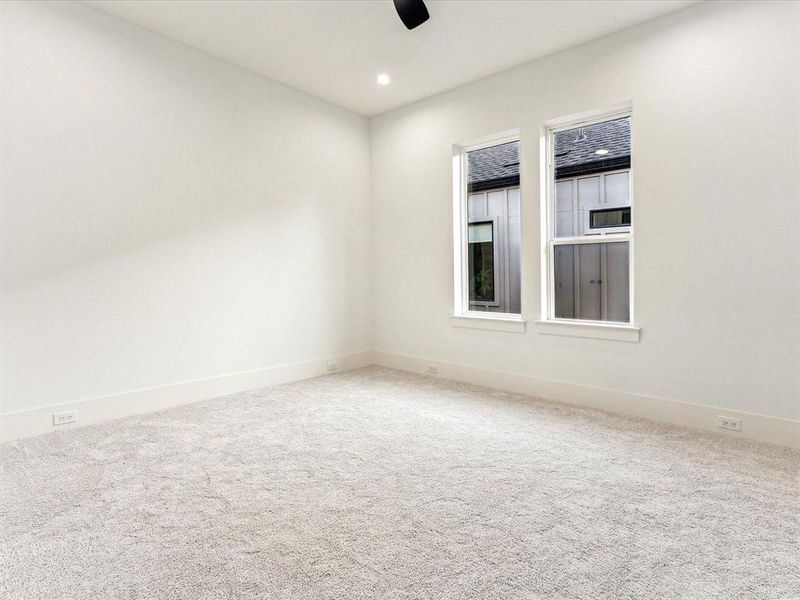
[460,229]
[598,330]
[507,324]
[548,322]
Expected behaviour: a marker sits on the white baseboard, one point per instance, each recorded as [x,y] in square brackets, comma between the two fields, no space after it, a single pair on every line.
[783,432]
[104,408]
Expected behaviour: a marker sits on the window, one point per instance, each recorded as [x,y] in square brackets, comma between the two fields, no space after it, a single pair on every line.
[589,226]
[481,264]
[487,229]
[610,217]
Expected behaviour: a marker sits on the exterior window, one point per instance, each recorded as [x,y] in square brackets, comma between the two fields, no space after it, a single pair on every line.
[481,263]
[610,217]
[487,228]
[590,230]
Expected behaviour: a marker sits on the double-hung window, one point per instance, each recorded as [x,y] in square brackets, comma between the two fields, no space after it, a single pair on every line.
[588,253]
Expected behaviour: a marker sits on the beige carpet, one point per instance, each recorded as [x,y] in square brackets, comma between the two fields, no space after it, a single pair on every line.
[381,484]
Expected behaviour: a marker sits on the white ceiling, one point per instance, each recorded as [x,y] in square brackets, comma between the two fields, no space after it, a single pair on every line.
[334,49]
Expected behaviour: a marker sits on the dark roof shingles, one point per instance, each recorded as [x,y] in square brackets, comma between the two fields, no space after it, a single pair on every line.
[502,161]
[495,162]
[614,136]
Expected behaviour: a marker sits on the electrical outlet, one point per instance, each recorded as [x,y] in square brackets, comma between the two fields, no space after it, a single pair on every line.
[65,417]
[731,423]
[433,369]
[332,366]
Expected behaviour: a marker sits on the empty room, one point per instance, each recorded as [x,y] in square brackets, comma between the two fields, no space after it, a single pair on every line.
[400,299]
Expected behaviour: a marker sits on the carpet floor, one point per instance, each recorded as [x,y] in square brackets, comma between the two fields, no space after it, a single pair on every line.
[382,484]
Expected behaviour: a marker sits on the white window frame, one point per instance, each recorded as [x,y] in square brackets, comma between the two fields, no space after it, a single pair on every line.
[548,323]
[462,316]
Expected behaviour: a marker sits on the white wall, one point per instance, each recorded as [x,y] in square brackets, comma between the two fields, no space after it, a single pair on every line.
[717,210]
[167,216]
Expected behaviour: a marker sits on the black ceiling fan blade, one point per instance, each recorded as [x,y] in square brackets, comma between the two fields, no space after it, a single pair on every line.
[413,13]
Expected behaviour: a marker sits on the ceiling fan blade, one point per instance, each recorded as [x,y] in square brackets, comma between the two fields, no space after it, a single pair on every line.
[413,13]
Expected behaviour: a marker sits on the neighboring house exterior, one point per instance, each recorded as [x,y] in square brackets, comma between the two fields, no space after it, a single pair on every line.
[592,197]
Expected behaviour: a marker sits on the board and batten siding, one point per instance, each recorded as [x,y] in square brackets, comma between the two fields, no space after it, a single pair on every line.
[501,207]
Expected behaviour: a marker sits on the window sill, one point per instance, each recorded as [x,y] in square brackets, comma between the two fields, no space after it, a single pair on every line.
[598,331]
[508,324]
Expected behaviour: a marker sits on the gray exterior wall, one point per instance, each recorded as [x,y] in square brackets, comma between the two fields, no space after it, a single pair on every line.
[502,208]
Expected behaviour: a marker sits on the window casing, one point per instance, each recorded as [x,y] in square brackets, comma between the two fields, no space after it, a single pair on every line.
[587,224]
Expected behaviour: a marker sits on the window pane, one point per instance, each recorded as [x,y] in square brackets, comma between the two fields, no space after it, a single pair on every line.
[480,232]
[609,217]
[591,282]
[592,172]
[493,228]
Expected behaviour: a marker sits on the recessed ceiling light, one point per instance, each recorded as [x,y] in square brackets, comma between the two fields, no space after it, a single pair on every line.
[601,152]
[383,79]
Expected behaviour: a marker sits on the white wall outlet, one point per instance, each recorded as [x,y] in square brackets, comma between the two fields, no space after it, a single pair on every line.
[65,417]
[433,369]
[332,366]
[731,423]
